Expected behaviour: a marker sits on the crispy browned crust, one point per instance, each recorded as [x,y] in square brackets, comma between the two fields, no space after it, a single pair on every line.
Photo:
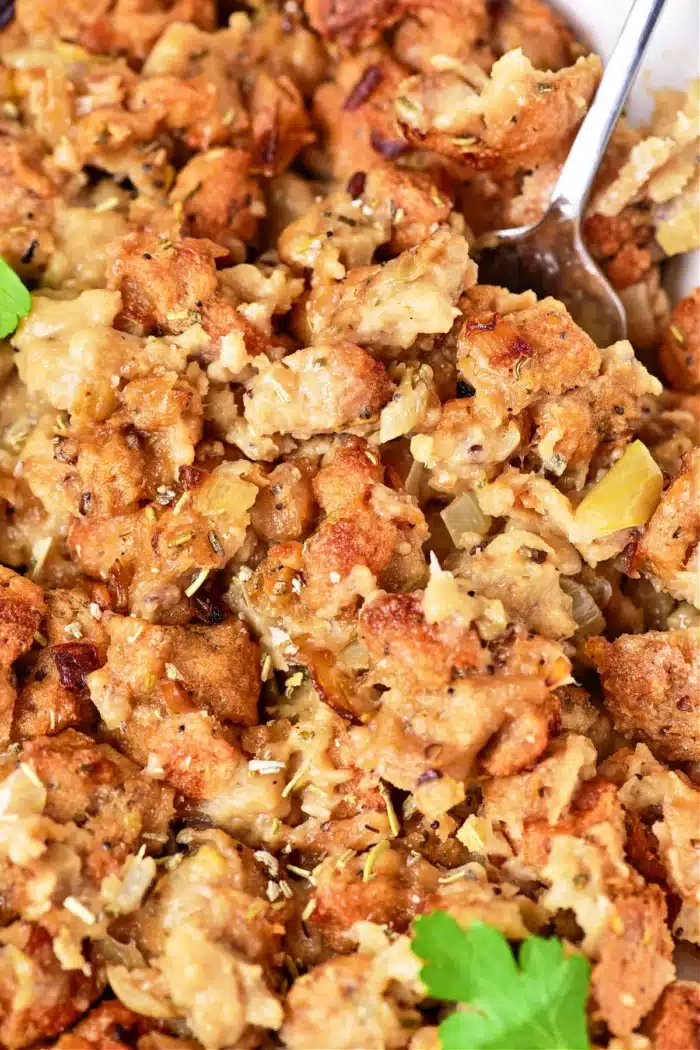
[679,353]
[219,198]
[163,287]
[672,533]
[635,960]
[652,686]
[42,1002]
[411,653]
[130,28]
[674,1023]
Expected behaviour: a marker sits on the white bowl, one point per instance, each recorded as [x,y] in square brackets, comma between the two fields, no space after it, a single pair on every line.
[672,60]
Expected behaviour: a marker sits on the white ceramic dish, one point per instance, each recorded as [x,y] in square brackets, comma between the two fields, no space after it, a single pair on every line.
[673,59]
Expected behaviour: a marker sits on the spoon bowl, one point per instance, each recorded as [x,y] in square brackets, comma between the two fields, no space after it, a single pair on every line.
[550,258]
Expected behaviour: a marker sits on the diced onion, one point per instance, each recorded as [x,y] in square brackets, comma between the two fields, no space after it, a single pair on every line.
[464,515]
[585,612]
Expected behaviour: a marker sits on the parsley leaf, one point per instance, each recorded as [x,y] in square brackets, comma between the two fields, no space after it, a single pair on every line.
[15,300]
[538,1003]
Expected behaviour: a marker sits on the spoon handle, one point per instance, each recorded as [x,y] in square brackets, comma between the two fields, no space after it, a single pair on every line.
[572,188]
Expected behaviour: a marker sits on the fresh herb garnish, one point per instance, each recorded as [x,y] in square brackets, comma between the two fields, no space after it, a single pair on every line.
[15,300]
[535,1003]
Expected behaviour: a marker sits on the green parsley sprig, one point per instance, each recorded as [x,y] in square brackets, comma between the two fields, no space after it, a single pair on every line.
[15,300]
[535,1003]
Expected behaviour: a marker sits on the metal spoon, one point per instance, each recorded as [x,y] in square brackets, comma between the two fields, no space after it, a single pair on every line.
[549,256]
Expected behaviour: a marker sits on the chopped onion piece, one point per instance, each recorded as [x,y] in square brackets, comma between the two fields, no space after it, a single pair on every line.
[464,515]
[585,612]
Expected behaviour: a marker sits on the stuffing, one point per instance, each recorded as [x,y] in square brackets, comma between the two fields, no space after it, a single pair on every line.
[496,713]
[38,997]
[28,204]
[124,28]
[496,121]
[386,307]
[156,560]
[368,1012]
[516,568]
[679,353]
[531,25]
[162,284]
[333,236]
[21,610]
[83,237]
[280,125]
[325,389]
[668,547]
[105,1027]
[634,960]
[52,689]
[229,216]
[534,365]
[651,684]
[214,666]
[674,1021]
[284,507]
[69,353]
[662,809]
[354,113]
[544,794]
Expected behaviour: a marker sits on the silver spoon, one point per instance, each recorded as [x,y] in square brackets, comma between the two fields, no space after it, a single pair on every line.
[549,256]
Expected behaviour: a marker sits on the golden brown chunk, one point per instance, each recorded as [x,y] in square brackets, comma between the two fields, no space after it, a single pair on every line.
[219,198]
[499,718]
[21,611]
[414,201]
[517,112]
[463,27]
[38,998]
[387,307]
[140,448]
[105,1027]
[341,545]
[596,417]
[634,960]
[279,123]
[350,22]
[668,547]
[52,691]
[152,560]
[551,352]
[674,1023]
[407,652]
[101,790]
[125,27]
[679,353]
[163,285]
[26,204]
[283,509]
[216,668]
[324,389]
[348,474]
[652,686]
[351,1001]
[354,113]
[620,245]
[533,26]
[381,538]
